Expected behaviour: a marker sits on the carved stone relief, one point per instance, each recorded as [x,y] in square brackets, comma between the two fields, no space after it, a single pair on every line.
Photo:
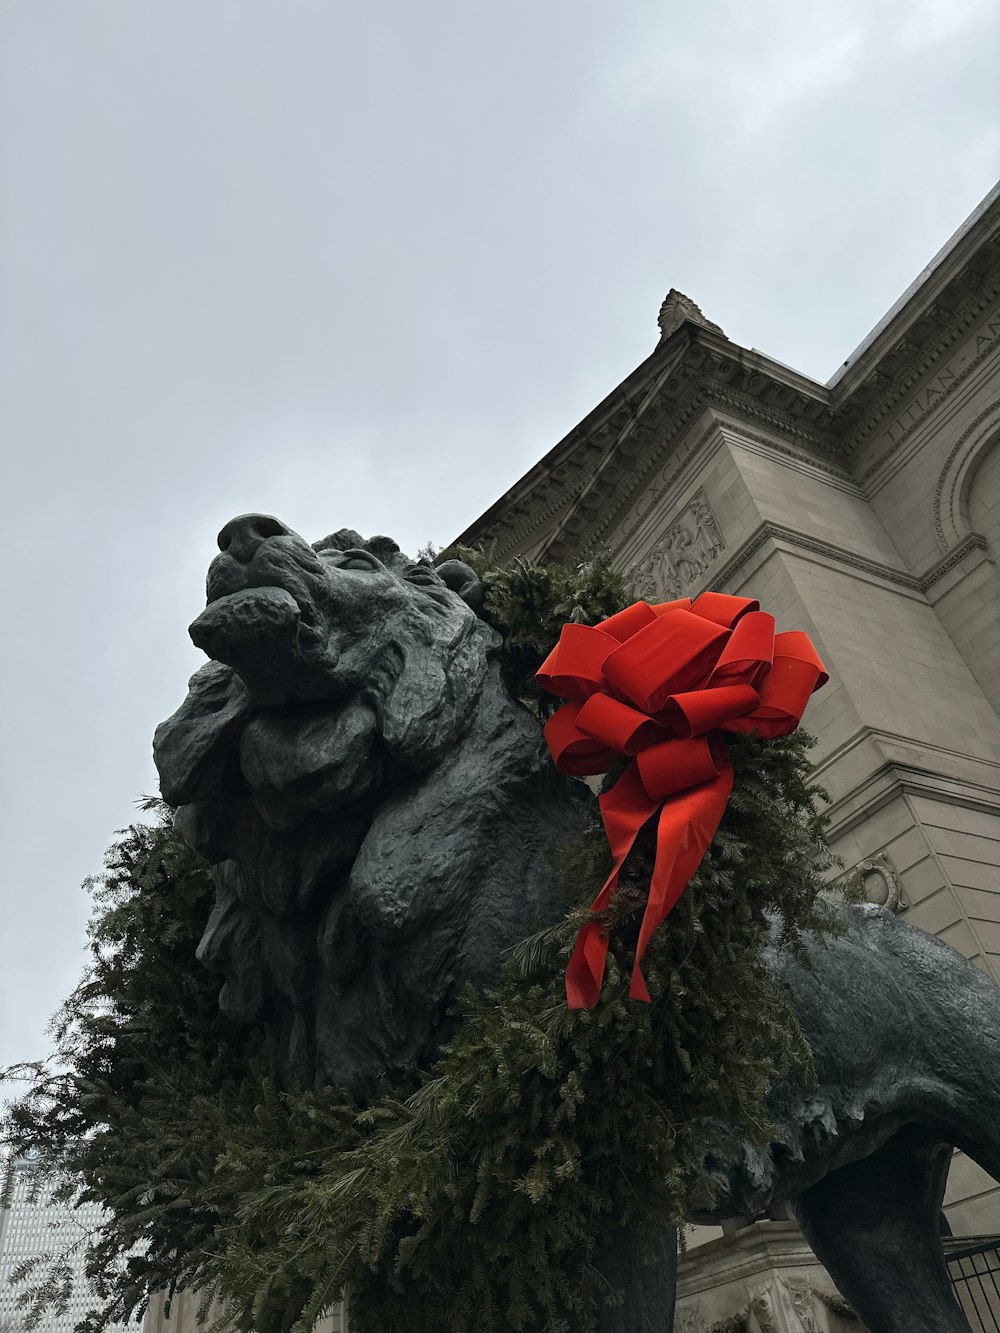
[835,1303]
[799,1305]
[681,555]
[880,882]
[735,1323]
[785,1305]
[762,1309]
[690,1319]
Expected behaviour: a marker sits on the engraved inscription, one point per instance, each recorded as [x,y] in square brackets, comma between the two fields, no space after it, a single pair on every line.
[944,381]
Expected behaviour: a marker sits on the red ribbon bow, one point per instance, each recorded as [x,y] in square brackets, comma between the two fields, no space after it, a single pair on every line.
[659,685]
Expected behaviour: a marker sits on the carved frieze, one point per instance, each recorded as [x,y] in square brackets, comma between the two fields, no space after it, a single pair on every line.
[681,556]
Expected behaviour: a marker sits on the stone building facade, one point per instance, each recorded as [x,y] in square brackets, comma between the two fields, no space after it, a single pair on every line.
[865,511]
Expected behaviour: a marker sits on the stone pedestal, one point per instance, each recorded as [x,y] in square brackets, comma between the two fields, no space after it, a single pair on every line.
[761,1279]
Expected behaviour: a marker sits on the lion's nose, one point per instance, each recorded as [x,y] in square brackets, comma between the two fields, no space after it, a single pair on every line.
[241,536]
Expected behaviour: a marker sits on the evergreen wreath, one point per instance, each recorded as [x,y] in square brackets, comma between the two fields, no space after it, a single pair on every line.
[479,1193]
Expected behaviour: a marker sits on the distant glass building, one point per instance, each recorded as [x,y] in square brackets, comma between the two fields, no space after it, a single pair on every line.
[31,1225]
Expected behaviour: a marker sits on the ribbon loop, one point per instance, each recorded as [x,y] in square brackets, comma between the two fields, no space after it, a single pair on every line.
[575,754]
[698,711]
[674,766]
[749,654]
[623,729]
[575,667]
[681,639]
[723,608]
[660,685]
[624,624]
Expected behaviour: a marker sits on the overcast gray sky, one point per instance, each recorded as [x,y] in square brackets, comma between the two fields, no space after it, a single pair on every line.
[361,264]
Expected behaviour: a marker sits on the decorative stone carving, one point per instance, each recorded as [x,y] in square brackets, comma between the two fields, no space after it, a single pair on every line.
[677,308]
[880,882]
[683,554]
[763,1314]
[735,1323]
[836,1304]
[951,522]
[690,1320]
[786,1305]
[799,1305]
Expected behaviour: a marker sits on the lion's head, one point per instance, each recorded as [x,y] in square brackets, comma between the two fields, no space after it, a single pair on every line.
[371,799]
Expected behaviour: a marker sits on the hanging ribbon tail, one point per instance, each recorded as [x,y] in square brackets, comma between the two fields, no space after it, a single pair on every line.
[585,971]
[624,810]
[688,822]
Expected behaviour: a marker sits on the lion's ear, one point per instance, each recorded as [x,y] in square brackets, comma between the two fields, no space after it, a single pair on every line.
[463,580]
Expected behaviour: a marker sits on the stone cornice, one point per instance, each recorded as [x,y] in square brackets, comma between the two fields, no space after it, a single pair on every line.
[590,480]
[831,474]
[527,520]
[731,433]
[974,542]
[900,378]
[951,766]
[754,387]
[712,372]
[742,1254]
[658,446]
[694,367]
[828,551]
[645,424]
[833,554]
[563,467]
[890,779]
[945,283]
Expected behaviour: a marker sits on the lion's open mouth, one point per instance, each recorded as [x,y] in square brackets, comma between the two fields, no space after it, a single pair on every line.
[279,645]
[221,606]
[255,614]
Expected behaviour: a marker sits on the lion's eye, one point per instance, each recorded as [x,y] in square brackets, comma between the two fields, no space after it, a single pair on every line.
[359,560]
[422,574]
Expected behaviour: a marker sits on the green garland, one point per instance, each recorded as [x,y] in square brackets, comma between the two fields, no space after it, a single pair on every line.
[482,1193]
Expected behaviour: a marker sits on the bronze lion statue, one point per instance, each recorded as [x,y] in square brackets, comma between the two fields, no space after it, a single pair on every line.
[375,804]
[377,807]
